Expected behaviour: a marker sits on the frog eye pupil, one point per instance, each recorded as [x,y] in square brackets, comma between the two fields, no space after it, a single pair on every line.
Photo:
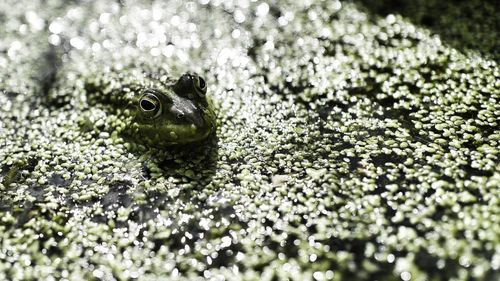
[147,105]
[150,106]
[202,83]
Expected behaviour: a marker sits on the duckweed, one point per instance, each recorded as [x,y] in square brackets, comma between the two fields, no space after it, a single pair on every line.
[350,145]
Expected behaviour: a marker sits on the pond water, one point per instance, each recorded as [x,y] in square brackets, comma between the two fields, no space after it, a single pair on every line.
[349,144]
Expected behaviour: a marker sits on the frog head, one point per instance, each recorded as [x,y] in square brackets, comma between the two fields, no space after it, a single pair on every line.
[172,113]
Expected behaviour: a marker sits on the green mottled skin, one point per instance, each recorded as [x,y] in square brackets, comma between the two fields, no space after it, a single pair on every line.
[155,110]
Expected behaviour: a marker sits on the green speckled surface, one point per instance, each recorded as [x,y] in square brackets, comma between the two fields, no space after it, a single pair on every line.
[353,143]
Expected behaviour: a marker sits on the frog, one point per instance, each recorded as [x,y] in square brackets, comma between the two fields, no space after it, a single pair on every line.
[153,109]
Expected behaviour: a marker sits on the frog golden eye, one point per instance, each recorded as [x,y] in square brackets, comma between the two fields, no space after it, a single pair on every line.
[150,105]
[200,85]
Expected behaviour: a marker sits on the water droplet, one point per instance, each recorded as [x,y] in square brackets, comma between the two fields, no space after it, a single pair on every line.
[175,20]
[318,275]
[77,43]
[390,19]
[239,17]
[262,10]
[35,22]
[235,34]
[390,258]
[54,40]
[55,27]
[405,276]
[104,18]
[313,257]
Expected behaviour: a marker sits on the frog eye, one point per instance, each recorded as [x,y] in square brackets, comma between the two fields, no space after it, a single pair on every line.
[150,105]
[200,85]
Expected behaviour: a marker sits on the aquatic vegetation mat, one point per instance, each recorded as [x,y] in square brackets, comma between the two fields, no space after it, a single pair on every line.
[349,145]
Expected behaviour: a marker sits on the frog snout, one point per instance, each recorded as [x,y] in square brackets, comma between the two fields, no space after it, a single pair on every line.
[187,113]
